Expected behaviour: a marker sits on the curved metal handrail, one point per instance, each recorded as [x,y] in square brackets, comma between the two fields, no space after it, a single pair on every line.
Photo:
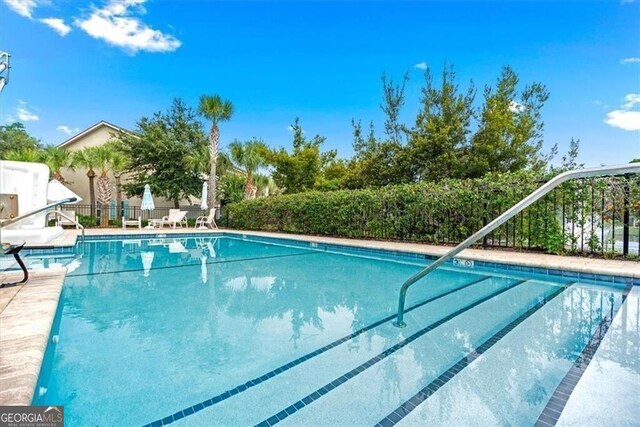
[5,222]
[73,221]
[631,168]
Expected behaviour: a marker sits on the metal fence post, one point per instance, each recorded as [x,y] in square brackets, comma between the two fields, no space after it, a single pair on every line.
[485,241]
[625,217]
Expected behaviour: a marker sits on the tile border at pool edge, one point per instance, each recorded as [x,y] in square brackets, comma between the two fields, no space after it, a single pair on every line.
[565,272]
[26,325]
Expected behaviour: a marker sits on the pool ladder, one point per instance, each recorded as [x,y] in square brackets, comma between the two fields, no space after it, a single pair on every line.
[627,169]
[6,221]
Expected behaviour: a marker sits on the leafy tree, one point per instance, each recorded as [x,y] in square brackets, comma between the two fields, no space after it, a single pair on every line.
[509,136]
[377,163]
[14,138]
[158,153]
[217,110]
[393,100]
[635,160]
[87,158]
[333,176]
[249,156]
[389,164]
[442,128]
[297,171]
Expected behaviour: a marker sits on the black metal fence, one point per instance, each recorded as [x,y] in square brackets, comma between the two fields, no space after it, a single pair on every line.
[589,216]
[91,215]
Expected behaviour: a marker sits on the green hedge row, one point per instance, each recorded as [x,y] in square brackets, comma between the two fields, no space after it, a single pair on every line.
[445,212]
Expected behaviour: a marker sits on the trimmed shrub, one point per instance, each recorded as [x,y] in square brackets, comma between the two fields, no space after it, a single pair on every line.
[573,218]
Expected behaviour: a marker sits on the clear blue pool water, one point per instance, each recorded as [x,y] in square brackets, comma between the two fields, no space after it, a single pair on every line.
[231,331]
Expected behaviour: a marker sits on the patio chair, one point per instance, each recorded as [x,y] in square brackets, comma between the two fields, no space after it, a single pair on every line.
[175,217]
[173,212]
[134,222]
[203,222]
[71,215]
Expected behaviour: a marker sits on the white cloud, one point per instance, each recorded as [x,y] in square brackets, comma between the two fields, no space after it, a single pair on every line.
[631,60]
[516,107]
[116,24]
[57,25]
[421,66]
[601,104]
[66,129]
[22,7]
[630,100]
[23,113]
[625,118]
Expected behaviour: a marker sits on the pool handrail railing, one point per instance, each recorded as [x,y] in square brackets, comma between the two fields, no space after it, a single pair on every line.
[631,168]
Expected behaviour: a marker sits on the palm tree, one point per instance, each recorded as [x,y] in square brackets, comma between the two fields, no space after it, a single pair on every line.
[57,159]
[200,161]
[26,155]
[265,184]
[104,156]
[87,158]
[216,110]
[247,155]
[118,164]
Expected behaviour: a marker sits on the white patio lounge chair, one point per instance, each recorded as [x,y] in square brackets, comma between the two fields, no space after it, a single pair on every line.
[176,217]
[203,222]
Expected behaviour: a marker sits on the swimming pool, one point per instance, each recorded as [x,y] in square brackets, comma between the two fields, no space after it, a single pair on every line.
[239,330]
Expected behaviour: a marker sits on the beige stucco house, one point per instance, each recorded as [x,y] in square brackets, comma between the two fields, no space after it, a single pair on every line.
[77,180]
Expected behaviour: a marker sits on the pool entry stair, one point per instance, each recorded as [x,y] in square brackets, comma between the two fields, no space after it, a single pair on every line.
[504,322]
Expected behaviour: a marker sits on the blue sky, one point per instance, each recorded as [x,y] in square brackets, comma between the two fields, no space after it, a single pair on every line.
[76,62]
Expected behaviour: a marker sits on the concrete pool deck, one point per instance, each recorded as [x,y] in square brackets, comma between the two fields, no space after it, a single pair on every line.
[26,315]
[27,312]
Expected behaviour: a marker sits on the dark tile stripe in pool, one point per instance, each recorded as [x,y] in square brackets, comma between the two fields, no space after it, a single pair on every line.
[552,411]
[403,410]
[133,270]
[225,395]
[312,397]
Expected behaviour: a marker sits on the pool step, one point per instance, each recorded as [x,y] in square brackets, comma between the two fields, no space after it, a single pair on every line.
[300,382]
[384,386]
[513,380]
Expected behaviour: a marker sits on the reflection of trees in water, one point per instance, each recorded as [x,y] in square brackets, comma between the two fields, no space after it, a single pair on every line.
[296,294]
[623,343]
[303,287]
[525,377]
